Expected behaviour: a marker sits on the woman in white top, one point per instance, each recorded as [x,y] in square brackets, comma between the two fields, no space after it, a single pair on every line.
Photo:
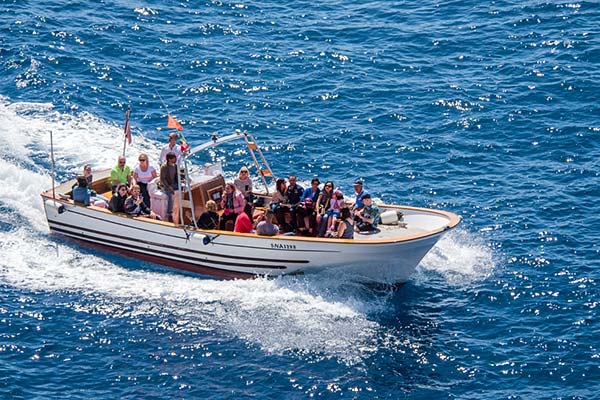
[143,174]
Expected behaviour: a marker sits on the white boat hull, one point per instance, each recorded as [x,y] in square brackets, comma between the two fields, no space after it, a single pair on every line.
[234,255]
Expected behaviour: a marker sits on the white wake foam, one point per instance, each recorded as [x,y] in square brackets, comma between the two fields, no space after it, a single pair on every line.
[20,190]
[277,315]
[460,258]
[78,139]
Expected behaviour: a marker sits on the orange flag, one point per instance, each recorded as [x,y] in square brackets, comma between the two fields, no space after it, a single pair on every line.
[173,123]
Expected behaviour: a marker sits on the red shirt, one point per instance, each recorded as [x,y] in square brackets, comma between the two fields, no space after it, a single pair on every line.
[243,223]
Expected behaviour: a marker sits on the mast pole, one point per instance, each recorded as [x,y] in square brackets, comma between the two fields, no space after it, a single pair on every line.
[189,189]
[126,130]
[53,171]
[180,186]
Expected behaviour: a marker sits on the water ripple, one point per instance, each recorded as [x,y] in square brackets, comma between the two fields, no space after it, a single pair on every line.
[489,110]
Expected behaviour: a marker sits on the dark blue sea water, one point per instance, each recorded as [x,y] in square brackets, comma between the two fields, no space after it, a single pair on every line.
[486,109]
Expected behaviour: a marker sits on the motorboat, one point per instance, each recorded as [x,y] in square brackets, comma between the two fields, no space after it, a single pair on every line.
[388,255]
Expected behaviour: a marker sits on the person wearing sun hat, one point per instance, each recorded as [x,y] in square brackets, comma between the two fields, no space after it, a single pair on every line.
[335,207]
[360,193]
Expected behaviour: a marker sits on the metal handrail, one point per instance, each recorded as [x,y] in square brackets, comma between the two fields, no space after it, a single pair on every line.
[250,142]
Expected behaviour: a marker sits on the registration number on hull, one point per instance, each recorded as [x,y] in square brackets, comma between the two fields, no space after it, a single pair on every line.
[282,246]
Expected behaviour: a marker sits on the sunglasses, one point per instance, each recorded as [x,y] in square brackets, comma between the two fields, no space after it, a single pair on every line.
[142,160]
[243,172]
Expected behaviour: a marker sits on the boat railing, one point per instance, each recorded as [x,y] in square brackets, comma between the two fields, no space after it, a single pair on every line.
[258,158]
[261,163]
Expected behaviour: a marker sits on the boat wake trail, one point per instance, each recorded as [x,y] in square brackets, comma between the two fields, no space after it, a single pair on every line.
[318,316]
[279,315]
[78,139]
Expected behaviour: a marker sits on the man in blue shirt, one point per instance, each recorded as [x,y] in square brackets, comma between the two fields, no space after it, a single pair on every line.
[360,194]
[81,192]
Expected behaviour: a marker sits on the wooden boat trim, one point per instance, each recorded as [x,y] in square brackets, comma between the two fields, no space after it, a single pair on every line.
[453,221]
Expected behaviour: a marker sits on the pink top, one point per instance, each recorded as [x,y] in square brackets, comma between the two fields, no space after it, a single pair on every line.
[238,202]
[336,205]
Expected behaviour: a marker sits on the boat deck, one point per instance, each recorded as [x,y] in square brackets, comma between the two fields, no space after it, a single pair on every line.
[415,222]
[389,232]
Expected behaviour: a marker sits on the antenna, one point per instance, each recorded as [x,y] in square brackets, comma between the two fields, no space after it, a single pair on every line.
[162,101]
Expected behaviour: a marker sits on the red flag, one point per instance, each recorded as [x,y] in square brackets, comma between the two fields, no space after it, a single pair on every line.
[127,128]
[173,123]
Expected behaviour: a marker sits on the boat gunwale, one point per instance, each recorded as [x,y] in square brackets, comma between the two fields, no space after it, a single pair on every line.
[454,220]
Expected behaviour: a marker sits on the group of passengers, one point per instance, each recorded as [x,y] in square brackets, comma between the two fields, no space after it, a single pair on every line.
[322,212]
[238,215]
[293,210]
[136,181]
[129,188]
